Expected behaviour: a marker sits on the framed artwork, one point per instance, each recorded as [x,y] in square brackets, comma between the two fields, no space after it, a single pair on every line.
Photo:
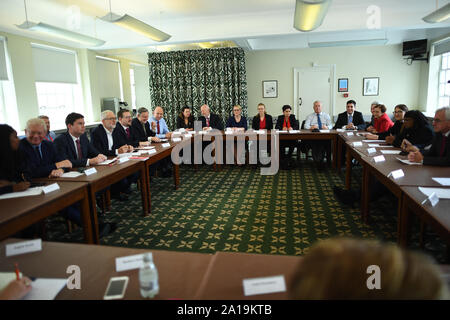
[371,86]
[343,85]
[270,88]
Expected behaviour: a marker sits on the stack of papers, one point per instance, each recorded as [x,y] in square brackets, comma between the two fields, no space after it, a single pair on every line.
[440,192]
[406,161]
[71,174]
[27,193]
[42,289]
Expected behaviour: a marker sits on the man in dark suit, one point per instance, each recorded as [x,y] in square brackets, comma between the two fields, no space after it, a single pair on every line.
[439,152]
[74,144]
[350,119]
[141,126]
[209,120]
[123,133]
[287,121]
[102,136]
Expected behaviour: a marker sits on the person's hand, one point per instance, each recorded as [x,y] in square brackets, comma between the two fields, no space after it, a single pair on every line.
[21,186]
[153,126]
[206,128]
[98,159]
[415,156]
[143,143]
[350,126]
[371,136]
[189,129]
[64,164]
[16,289]
[314,127]
[156,139]
[290,128]
[123,149]
[405,144]
[130,148]
[56,173]
[390,139]
[324,127]
[168,135]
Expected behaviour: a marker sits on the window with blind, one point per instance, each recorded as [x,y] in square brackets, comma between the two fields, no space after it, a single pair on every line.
[444,79]
[57,83]
[8,104]
[109,79]
[140,86]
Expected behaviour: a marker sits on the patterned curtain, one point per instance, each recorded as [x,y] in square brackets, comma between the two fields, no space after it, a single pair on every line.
[215,77]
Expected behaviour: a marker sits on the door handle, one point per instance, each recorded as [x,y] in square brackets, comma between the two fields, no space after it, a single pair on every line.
[300,101]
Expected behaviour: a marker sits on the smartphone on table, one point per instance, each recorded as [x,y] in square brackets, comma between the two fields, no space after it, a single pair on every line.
[116,288]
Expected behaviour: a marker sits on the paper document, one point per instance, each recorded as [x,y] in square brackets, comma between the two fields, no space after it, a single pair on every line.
[440,192]
[27,193]
[107,162]
[390,151]
[147,148]
[325,130]
[45,289]
[264,285]
[294,131]
[71,174]
[374,141]
[442,181]
[406,161]
[374,144]
[7,277]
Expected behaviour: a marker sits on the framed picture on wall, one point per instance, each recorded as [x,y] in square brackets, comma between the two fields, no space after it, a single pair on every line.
[371,86]
[270,88]
[343,85]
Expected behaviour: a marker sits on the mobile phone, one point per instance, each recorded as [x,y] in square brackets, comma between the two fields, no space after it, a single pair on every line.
[116,288]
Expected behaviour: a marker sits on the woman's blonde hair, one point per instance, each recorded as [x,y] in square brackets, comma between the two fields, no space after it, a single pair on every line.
[338,269]
[237,106]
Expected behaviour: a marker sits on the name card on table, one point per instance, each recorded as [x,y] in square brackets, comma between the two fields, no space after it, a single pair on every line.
[379,159]
[228,132]
[50,188]
[397,174]
[324,130]
[151,151]
[281,131]
[262,131]
[264,285]
[124,159]
[349,133]
[22,247]
[357,144]
[371,150]
[165,145]
[433,198]
[130,262]
[90,171]
[294,131]
[176,139]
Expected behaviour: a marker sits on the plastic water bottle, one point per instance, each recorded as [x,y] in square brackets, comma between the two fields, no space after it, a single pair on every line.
[148,277]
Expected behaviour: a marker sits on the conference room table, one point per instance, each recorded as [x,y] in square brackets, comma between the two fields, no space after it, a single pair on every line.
[20,213]
[182,275]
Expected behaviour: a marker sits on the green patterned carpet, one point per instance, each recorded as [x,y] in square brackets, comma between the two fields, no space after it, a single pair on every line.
[237,209]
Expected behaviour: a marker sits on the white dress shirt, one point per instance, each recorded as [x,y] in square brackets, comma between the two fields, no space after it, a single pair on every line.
[311,120]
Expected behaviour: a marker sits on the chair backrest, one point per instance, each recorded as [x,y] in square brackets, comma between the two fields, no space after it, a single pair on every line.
[303,125]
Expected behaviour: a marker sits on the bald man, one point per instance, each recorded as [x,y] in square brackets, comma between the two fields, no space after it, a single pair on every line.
[210,120]
[160,125]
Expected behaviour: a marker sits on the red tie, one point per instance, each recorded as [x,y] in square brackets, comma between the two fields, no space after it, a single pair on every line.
[128,132]
[80,153]
[207,122]
[444,140]
[157,126]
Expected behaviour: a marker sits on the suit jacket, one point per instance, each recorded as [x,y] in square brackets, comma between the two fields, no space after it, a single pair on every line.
[394,130]
[432,156]
[420,137]
[120,137]
[182,124]
[32,165]
[66,148]
[294,123]
[214,121]
[139,132]
[99,140]
[358,120]
[256,121]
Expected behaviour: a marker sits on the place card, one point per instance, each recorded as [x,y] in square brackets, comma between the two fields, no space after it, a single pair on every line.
[130,262]
[22,247]
[442,181]
[228,132]
[374,145]
[176,139]
[357,144]
[151,151]
[390,151]
[340,130]
[260,131]
[282,131]
[349,133]
[90,171]
[294,131]
[433,198]
[165,145]
[374,141]
[442,193]
[371,150]
[124,159]
[50,188]
[397,174]
[324,130]
[379,159]
[264,285]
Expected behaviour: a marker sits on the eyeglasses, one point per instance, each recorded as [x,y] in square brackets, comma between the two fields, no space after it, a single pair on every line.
[397,112]
[128,117]
[112,118]
[438,120]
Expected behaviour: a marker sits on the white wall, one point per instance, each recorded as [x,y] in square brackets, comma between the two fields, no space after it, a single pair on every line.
[399,82]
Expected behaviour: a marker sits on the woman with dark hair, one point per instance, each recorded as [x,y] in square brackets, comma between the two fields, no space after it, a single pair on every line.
[381,121]
[185,119]
[389,135]
[262,120]
[11,177]
[416,131]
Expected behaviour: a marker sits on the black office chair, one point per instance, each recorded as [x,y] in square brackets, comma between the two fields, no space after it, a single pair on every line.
[303,146]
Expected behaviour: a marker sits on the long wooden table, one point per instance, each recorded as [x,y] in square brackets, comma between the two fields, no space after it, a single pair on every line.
[19,213]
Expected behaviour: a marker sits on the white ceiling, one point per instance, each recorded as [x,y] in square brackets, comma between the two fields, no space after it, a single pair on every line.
[251,24]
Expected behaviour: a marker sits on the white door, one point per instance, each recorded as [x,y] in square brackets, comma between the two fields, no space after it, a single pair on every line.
[313,84]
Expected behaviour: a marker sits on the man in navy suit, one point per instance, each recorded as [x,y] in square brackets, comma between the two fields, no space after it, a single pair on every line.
[74,144]
[210,120]
[102,137]
[350,119]
[123,133]
[141,126]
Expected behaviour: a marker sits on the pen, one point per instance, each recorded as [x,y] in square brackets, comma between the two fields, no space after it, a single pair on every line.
[17,271]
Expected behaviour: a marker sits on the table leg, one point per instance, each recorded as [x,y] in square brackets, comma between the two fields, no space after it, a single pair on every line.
[108,199]
[348,171]
[144,178]
[335,148]
[402,220]
[338,154]
[94,215]
[176,175]
[147,186]
[86,219]
[365,195]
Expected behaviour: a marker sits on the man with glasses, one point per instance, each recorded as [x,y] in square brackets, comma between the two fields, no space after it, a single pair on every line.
[102,136]
[141,126]
[123,133]
[439,152]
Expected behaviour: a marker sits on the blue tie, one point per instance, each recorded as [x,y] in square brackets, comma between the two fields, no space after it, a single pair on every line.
[350,118]
[319,122]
